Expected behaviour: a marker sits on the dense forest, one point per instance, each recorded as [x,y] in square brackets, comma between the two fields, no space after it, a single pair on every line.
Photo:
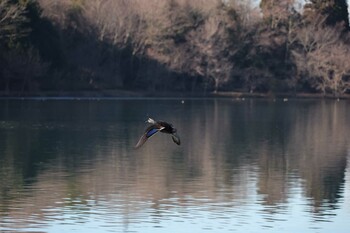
[175,45]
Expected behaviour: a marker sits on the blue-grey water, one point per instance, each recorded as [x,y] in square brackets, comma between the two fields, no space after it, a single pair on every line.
[243,166]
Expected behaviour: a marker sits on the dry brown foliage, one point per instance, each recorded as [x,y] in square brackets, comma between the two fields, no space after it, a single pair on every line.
[11,16]
[216,40]
[323,58]
[192,37]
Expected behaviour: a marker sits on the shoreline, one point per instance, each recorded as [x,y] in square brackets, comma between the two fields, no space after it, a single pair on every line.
[171,94]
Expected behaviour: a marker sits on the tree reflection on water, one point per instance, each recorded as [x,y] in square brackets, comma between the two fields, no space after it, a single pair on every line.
[78,156]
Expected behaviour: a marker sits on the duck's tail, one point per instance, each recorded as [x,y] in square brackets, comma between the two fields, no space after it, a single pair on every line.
[151,121]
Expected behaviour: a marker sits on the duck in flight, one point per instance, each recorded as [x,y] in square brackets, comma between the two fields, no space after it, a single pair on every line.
[155,127]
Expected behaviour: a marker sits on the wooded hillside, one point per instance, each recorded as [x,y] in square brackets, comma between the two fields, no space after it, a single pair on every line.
[177,45]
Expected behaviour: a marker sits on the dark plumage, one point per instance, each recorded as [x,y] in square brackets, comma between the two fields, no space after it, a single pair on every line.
[155,127]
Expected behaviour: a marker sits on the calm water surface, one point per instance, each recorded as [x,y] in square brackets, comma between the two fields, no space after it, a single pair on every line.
[243,166]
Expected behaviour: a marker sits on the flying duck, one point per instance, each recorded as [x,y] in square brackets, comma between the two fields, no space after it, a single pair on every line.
[155,127]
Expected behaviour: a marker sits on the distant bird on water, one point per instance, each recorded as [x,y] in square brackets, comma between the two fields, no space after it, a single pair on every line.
[155,127]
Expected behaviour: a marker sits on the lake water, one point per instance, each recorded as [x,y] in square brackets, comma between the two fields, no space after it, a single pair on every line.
[243,166]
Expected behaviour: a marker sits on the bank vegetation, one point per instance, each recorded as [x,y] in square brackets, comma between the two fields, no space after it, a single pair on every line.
[175,45]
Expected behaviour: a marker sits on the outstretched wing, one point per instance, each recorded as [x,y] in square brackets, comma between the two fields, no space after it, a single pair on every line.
[149,132]
[176,139]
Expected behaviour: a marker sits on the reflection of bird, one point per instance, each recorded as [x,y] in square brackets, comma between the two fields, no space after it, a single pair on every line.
[155,127]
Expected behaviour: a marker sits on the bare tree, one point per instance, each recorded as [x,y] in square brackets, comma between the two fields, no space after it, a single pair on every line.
[201,41]
[277,11]
[322,58]
[11,17]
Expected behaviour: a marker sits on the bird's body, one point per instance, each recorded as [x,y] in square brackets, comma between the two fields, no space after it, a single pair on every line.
[155,127]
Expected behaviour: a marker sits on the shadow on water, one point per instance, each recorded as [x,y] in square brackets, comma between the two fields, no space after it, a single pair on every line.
[237,159]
